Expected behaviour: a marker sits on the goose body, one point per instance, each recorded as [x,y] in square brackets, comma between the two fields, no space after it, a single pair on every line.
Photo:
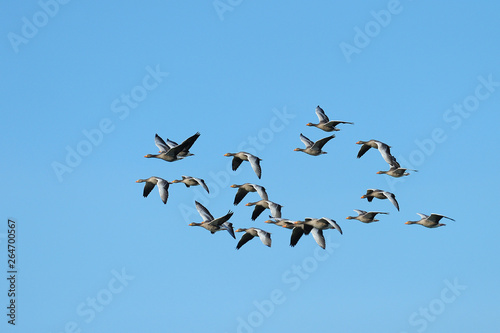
[379,194]
[384,150]
[313,148]
[431,221]
[175,153]
[192,181]
[250,233]
[261,205]
[150,184]
[326,124]
[211,224]
[247,187]
[238,158]
[365,217]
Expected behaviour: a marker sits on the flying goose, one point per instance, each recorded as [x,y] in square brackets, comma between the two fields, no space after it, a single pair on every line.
[384,150]
[172,154]
[379,194]
[247,187]
[165,146]
[365,217]
[396,172]
[211,224]
[326,124]
[150,184]
[192,181]
[430,221]
[250,233]
[261,205]
[313,148]
[238,158]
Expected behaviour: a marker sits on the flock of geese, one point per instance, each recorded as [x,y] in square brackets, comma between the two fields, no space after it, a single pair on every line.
[170,151]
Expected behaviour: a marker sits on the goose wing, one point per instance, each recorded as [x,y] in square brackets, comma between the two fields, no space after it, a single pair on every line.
[202,183]
[219,221]
[297,232]
[392,198]
[306,141]
[188,143]
[171,144]
[318,237]
[371,215]
[359,211]
[333,224]
[323,118]
[437,217]
[275,209]
[184,146]
[236,162]
[257,211]
[336,122]
[240,195]
[385,151]
[320,143]
[261,191]
[229,227]
[264,236]
[162,146]
[148,187]
[163,188]
[364,148]
[255,163]
[204,213]
[243,240]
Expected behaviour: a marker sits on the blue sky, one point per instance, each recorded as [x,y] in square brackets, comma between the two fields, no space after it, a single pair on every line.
[86,87]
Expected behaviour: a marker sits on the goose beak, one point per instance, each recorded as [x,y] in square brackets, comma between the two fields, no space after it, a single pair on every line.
[407,222]
[363,196]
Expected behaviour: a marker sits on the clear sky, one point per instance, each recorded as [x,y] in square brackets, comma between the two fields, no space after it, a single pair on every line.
[85,87]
